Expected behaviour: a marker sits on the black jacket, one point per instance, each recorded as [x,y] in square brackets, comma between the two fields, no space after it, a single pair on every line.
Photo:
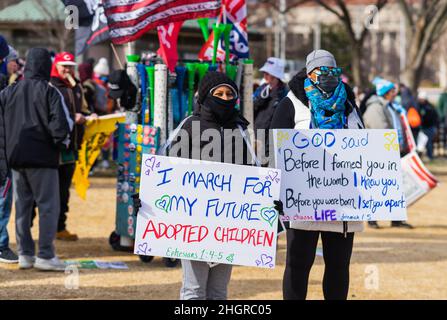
[429,115]
[3,162]
[284,116]
[265,107]
[74,99]
[203,117]
[34,122]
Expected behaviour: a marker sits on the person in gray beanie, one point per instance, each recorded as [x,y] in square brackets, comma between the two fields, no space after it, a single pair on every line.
[318,99]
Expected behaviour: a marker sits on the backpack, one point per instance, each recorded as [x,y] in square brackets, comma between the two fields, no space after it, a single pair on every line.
[101,99]
[414,118]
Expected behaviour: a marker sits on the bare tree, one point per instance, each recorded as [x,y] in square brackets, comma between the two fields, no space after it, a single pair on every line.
[53,28]
[426,23]
[356,40]
[274,4]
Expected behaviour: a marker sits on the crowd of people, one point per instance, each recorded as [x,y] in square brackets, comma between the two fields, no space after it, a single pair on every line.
[44,108]
[45,104]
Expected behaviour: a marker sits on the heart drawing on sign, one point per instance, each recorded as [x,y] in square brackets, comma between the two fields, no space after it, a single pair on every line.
[150,164]
[269,214]
[142,248]
[391,142]
[273,175]
[264,260]
[281,136]
[163,203]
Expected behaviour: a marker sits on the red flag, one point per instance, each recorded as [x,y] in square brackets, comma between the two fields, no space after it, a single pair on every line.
[130,19]
[168,35]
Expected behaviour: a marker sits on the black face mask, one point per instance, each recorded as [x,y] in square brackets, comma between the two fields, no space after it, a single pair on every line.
[223,110]
[328,83]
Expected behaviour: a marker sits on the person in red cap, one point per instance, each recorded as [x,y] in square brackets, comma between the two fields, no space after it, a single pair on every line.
[63,78]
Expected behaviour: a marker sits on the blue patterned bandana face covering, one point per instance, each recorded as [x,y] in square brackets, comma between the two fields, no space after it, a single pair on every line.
[327,112]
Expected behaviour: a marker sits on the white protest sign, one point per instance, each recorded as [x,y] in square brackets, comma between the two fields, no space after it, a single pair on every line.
[340,175]
[207,211]
[417,180]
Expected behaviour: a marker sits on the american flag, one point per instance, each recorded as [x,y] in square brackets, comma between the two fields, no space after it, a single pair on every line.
[130,19]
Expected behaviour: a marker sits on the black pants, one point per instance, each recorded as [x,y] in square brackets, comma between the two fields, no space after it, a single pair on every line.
[66,172]
[301,249]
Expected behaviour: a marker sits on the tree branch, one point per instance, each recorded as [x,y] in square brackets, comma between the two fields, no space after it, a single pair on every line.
[438,21]
[407,13]
[329,8]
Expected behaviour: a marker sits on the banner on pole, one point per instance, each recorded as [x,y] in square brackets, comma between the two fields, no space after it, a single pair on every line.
[168,37]
[207,211]
[96,134]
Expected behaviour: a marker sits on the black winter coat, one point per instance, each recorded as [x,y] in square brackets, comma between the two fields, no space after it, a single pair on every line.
[3,162]
[206,120]
[34,121]
[74,99]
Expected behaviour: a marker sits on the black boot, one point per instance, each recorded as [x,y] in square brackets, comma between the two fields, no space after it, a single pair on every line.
[373,225]
[401,224]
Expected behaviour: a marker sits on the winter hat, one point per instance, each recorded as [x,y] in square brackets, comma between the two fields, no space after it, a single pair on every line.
[319,58]
[4,48]
[102,67]
[13,55]
[119,82]
[275,67]
[85,71]
[423,95]
[382,86]
[212,80]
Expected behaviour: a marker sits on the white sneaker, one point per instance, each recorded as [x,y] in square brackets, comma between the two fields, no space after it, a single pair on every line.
[26,262]
[49,264]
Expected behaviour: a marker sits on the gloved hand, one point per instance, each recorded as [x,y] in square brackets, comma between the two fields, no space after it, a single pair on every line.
[136,203]
[279,207]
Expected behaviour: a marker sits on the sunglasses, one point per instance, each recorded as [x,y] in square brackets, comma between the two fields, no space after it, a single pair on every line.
[325,71]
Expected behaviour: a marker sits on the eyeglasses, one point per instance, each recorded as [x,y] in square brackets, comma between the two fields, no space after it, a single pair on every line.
[325,71]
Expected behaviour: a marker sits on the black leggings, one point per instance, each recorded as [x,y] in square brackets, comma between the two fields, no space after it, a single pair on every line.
[301,249]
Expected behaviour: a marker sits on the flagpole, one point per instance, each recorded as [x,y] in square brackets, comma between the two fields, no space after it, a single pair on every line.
[117,56]
[224,12]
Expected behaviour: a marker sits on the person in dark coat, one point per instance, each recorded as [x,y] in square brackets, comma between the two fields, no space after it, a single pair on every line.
[6,254]
[62,77]
[430,121]
[36,126]
[216,112]
[265,99]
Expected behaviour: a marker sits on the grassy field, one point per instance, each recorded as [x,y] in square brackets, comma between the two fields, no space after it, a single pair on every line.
[386,264]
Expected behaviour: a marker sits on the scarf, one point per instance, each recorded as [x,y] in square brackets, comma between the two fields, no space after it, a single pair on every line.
[326,113]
